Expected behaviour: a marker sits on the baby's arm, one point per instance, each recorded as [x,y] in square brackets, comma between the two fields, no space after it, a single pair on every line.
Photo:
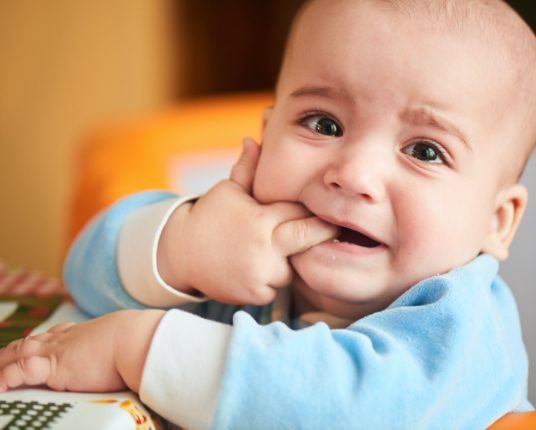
[91,269]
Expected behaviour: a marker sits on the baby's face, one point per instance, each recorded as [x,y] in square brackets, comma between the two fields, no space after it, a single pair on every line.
[392,130]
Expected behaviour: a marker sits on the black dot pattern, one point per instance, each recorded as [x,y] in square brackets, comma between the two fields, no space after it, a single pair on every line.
[32,415]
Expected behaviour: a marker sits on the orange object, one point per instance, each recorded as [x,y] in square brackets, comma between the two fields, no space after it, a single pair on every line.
[134,156]
[516,421]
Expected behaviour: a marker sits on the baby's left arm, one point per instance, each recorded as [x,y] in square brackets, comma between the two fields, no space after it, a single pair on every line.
[100,355]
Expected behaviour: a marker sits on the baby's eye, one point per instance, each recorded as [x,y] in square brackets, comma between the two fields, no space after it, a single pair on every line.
[426,151]
[322,124]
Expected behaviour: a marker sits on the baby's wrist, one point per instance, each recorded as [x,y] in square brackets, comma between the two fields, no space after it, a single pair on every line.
[134,331]
[170,257]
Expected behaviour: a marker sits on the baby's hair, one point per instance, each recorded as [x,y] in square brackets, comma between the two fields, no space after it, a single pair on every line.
[496,22]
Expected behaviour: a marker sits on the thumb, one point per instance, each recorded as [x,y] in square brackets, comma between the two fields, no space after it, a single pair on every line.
[295,236]
[243,172]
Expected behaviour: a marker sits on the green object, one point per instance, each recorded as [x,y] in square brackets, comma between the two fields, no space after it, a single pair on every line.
[31,312]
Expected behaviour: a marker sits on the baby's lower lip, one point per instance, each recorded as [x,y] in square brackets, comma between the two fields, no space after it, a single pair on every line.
[337,246]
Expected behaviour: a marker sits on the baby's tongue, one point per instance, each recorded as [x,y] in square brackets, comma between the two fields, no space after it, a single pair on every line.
[351,236]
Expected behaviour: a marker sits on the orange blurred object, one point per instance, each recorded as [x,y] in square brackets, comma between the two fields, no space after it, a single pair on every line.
[516,421]
[135,156]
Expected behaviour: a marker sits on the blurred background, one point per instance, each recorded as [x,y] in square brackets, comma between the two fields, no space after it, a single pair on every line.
[69,67]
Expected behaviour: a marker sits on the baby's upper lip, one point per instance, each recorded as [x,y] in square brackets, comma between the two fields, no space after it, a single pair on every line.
[351,226]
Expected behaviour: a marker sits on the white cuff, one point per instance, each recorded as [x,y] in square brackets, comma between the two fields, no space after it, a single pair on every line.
[137,255]
[184,368]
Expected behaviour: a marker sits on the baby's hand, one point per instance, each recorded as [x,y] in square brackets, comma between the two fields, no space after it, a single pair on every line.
[235,250]
[94,356]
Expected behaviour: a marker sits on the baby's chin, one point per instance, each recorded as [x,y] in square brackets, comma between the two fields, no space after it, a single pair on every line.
[337,290]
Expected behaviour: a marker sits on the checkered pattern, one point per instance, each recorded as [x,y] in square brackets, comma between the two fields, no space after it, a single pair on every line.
[32,415]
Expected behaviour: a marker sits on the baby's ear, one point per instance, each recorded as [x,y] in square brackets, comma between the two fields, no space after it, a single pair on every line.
[266,116]
[511,204]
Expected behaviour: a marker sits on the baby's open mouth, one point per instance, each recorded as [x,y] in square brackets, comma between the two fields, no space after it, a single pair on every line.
[356,238]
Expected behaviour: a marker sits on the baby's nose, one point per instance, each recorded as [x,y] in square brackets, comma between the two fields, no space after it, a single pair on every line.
[359,171]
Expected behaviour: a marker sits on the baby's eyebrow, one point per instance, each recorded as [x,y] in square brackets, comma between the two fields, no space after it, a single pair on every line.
[327,92]
[425,115]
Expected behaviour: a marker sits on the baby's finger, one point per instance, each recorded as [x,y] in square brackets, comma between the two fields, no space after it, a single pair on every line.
[58,328]
[263,296]
[286,211]
[42,337]
[281,276]
[293,237]
[20,348]
[26,371]
[243,172]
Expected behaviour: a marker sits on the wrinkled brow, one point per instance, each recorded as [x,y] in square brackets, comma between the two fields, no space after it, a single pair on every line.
[425,115]
[420,115]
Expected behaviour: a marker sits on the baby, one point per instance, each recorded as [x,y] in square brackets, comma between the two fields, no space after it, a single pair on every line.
[383,194]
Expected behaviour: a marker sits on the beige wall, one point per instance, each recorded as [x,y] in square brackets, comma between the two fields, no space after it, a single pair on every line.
[66,66]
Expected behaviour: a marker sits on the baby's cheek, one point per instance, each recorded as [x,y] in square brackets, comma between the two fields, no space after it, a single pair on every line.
[270,187]
[425,233]
[437,237]
[275,179]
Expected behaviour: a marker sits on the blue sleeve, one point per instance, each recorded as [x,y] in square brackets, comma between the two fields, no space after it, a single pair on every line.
[90,270]
[439,357]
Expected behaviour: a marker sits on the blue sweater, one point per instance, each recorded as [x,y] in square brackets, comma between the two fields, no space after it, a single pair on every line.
[447,354]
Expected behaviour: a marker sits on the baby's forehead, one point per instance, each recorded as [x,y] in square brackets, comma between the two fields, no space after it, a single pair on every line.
[488,29]
[329,24]
[484,19]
